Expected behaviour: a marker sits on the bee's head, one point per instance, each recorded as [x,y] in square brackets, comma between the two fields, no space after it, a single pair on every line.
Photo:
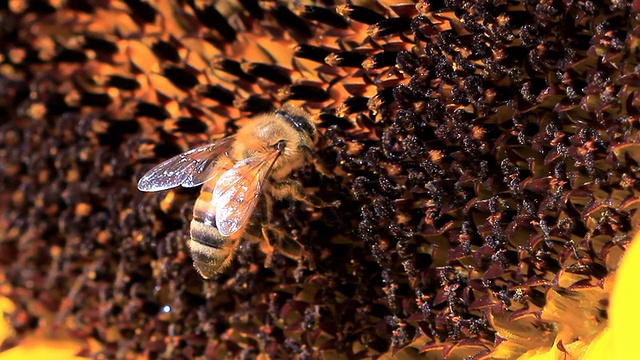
[300,120]
[289,130]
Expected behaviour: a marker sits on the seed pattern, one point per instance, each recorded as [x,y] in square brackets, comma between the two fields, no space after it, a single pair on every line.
[485,155]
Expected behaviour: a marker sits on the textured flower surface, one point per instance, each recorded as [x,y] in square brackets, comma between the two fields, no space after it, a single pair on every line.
[485,154]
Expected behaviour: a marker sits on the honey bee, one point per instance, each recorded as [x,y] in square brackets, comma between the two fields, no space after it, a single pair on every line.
[235,171]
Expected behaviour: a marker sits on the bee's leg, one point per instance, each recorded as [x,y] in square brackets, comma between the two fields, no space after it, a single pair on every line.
[254,231]
[289,188]
[284,243]
[317,161]
[274,238]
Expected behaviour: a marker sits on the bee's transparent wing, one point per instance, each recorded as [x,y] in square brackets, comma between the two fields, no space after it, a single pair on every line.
[238,190]
[188,169]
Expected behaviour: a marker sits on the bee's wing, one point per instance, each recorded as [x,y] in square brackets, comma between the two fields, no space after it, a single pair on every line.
[188,169]
[237,192]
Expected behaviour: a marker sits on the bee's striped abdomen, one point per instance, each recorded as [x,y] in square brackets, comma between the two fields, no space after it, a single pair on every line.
[211,251]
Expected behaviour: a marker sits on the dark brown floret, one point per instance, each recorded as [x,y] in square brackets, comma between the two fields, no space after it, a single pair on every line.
[287,19]
[360,14]
[273,73]
[324,15]
[346,59]
[311,52]
[390,26]
[307,93]
[218,93]
[234,68]
[380,60]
